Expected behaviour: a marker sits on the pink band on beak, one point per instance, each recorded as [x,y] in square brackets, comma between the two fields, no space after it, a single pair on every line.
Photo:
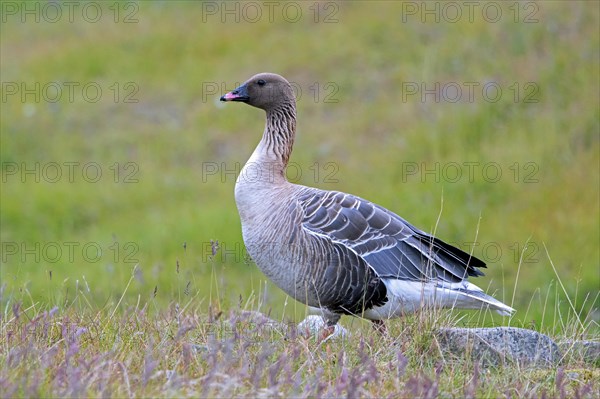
[230,96]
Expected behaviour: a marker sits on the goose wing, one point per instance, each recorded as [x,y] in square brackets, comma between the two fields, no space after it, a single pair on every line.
[390,245]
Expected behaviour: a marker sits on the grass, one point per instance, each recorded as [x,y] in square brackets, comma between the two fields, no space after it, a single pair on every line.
[79,350]
[156,208]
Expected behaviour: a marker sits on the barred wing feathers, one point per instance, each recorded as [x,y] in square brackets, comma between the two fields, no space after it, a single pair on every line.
[390,245]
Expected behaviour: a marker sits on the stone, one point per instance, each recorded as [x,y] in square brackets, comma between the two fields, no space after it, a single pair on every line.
[257,325]
[588,351]
[499,346]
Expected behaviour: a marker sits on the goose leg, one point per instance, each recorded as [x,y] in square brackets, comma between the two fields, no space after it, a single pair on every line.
[331,319]
[379,326]
[326,332]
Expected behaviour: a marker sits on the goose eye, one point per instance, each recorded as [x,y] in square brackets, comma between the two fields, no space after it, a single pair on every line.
[261,82]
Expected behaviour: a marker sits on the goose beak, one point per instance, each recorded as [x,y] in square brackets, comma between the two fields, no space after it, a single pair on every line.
[239,94]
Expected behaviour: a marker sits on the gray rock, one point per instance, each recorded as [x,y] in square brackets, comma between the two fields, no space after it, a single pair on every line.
[588,351]
[199,348]
[257,318]
[499,345]
[257,326]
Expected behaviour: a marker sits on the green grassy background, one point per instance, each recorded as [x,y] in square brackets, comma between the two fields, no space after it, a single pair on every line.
[176,55]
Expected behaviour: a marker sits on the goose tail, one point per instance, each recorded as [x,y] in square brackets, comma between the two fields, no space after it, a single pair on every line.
[410,296]
[477,294]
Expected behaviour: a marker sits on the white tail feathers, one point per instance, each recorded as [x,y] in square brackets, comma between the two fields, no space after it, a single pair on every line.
[411,296]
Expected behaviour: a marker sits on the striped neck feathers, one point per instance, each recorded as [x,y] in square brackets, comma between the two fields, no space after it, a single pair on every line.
[278,137]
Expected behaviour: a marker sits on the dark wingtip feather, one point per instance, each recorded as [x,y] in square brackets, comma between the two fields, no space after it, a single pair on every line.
[471,263]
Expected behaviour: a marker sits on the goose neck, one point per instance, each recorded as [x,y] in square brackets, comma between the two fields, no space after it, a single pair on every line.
[278,137]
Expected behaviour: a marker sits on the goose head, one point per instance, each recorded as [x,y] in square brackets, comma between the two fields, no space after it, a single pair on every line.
[265,91]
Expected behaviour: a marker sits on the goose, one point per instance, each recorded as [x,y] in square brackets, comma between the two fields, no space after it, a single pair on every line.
[336,252]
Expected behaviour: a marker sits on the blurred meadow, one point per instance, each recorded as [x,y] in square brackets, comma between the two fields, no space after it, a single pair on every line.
[119,162]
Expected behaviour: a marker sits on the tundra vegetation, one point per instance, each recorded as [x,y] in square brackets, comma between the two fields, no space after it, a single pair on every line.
[123,271]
